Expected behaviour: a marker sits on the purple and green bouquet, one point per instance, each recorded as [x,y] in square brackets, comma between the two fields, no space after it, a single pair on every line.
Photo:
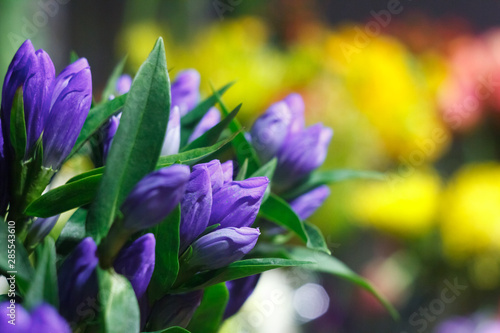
[181,214]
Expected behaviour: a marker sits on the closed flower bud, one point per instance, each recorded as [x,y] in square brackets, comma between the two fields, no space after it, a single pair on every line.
[40,229]
[209,120]
[43,318]
[306,204]
[16,76]
[296,106]
[215,171]
[136,262]
[237,203]
[109,133]
[172,141]
[154,197]
[185,91]
[69,106]
[36,96]
[302,153]
[77,279]
[123,84]
[270,130]
[174,310]
[222,247]
[196,206]
[239,291]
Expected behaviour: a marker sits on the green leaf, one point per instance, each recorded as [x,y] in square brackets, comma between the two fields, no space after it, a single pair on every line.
[22,267]
[96,118]
[211,136]
[279,211]
[267,170]
[65,197]
[315,238]
[43,287]
[72,233]
[322,262]
[119,308]
[137,143]
[208,316]
[166,254]
[242,147]
[242,173]
[201,109]
[191,157]
[110,88]
[237,270]
[318,178]
[18,136]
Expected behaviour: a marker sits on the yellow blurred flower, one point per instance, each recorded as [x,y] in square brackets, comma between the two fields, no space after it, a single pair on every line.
[392,88]
[404,205]
[470,223]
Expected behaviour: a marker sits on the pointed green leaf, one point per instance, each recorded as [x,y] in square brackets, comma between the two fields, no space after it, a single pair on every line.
[72,232]
[208,316]
[119,309]
[166,254]
[137,143]
[237,270]
[242,173]
[65,197]
[242,147]
[211,136]
[43,287]
[201,109]
[18,136]
[267,170]
[110,88]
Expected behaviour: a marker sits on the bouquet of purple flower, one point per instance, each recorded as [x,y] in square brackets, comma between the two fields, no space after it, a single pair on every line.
[160,222]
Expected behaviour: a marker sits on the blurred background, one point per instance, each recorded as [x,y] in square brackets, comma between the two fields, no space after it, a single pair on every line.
[411,89]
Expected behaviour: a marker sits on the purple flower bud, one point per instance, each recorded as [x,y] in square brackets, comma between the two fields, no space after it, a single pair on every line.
[136,262]
[36,95]
[222,247]
[196,206]
[227,170]
[302,153]
[172,140]
[306,204]
[209,120]
[154,197]
[237,203]
[296,105]
[69,106]
[109,133]
[22,318]
[174,310]
[123,84]
[185,91]
[77,279]
[40,229]
[270,130]
[239,291]
[16,76]
[44,318]
[216,174]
